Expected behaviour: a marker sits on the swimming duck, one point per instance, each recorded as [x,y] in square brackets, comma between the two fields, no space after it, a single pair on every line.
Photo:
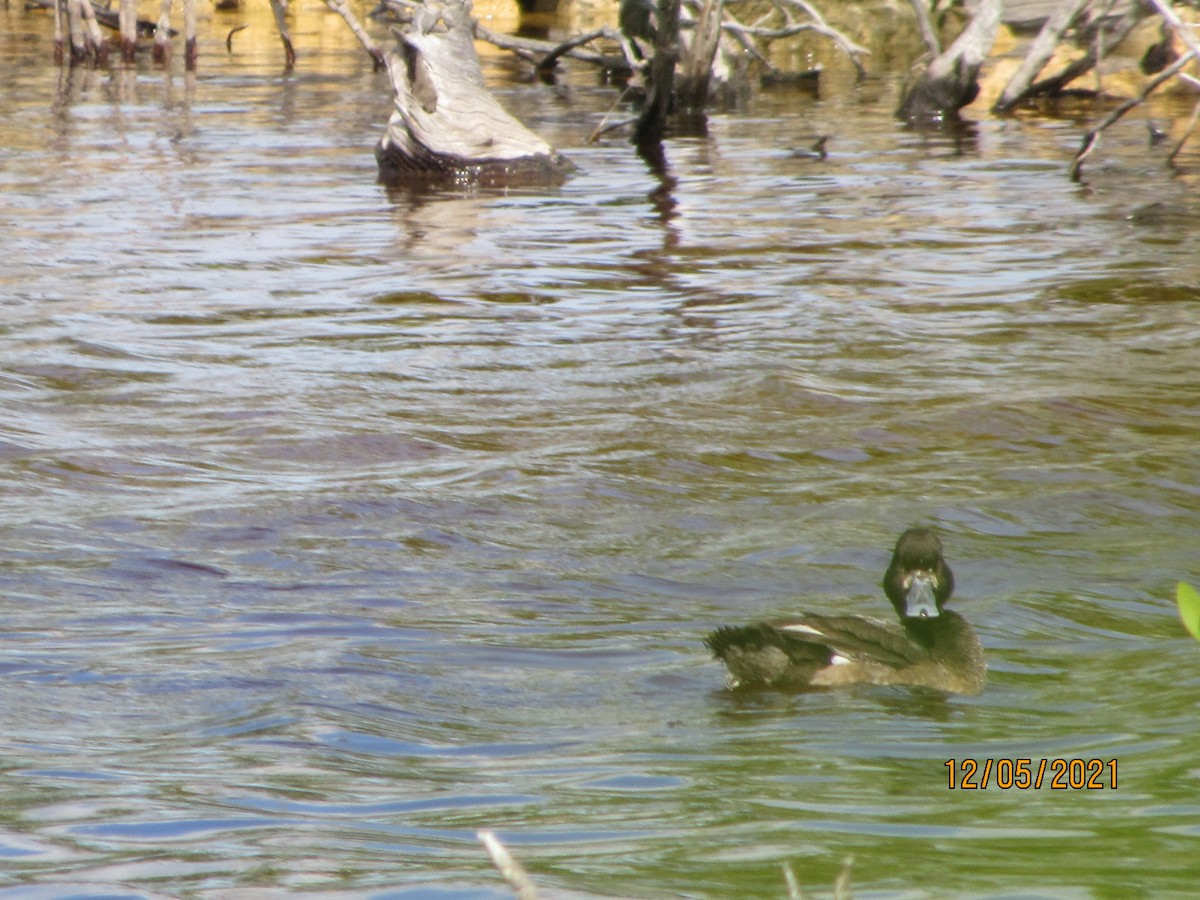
[931,647]
[816,151]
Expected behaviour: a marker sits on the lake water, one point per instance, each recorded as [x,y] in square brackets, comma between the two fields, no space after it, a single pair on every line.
[340,523]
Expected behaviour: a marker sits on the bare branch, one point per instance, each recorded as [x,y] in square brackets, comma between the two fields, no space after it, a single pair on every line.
[1093,136]
[853,51]
[1054,84]
[342,8]
[841,887]
[823,28]
[793,886]
[535,52]
[518,879]
[229,37]
[1187,133]
[289,52]
[1039,53]
[550,60]
[741,33]
[925,24]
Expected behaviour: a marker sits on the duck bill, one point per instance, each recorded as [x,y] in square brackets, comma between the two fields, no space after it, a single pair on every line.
[920,602]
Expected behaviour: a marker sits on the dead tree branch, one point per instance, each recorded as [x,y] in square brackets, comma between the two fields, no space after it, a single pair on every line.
[925,26]
[742,34]
[1100,34]
[815,23]
[94,41]
[1039,53]
[342,8]
[514,873]
[1187,133]
[1179,29]
[550,60]
[278,8]
[542,55]
[783,19]
[1091,139]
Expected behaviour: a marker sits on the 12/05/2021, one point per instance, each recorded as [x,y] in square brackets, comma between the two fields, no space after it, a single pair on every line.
[1026,773]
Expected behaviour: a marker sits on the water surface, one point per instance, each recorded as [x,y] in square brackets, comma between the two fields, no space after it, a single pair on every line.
[339,523]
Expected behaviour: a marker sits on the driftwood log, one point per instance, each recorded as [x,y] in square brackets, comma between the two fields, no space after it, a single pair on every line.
[446,125]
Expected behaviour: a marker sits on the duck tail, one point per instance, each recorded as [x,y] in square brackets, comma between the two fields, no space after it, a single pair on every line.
[741,637]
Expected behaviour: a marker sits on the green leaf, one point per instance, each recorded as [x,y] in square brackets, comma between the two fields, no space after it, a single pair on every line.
[1189,608]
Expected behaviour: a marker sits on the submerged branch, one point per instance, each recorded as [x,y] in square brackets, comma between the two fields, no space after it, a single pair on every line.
[516,876]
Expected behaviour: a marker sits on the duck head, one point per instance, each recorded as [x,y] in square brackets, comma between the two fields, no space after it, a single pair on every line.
[918,581]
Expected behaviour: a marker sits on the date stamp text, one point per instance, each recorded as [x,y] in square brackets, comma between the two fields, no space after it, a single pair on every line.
[970,774]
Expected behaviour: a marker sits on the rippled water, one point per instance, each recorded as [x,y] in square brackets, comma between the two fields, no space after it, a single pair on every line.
[339,523]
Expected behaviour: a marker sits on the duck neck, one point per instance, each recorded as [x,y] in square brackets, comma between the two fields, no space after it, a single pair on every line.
[927,632]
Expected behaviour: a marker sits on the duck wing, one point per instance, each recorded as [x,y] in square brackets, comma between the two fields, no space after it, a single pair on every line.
[853,637]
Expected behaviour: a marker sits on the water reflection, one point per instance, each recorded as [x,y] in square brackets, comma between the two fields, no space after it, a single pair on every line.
[662,200]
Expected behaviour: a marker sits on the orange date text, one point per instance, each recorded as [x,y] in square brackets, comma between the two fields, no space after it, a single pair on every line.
[971,774]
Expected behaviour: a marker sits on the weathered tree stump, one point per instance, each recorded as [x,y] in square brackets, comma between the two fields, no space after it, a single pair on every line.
[127,19]
[446,125]
[660,75]
[693,78]
[951,80]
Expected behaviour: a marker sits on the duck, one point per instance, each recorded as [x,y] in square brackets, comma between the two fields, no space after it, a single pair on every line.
[931,647]
[815,151]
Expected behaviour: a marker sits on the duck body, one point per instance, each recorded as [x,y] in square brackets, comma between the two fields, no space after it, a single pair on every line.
[816,151]
[930,647]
